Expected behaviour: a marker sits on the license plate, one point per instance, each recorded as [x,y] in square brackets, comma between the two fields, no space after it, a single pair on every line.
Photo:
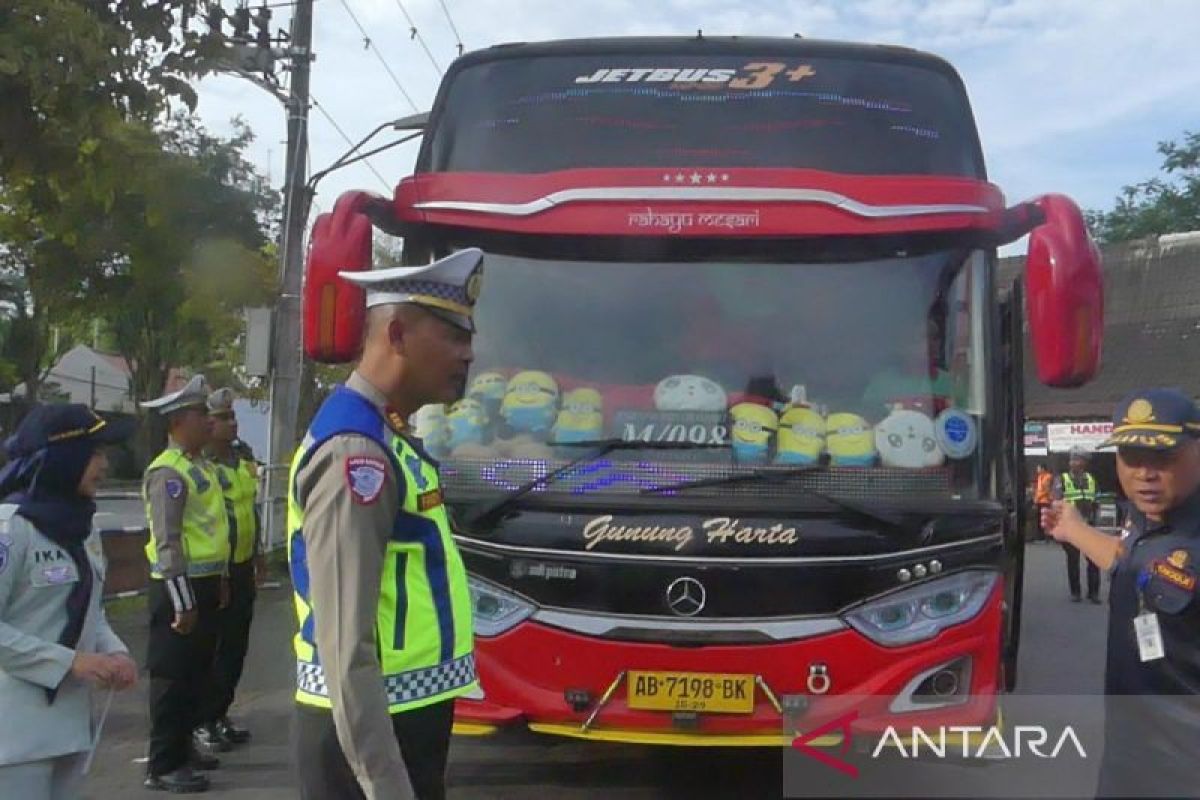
[691,691]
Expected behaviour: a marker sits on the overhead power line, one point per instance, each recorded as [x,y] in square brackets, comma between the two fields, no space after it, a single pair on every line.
[416,34]
[349,141]
[453,27]
[371,46]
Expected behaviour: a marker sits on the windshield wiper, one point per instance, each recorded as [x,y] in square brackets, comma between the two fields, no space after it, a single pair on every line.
[495,511]
[898,522]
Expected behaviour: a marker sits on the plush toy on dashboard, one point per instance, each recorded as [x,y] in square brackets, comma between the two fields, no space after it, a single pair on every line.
[530,404]
[487,389]
[433,429]
[689,393]
[905,438]
[581,418]
[468,423]
[849,441]
[801,436]
[751,432]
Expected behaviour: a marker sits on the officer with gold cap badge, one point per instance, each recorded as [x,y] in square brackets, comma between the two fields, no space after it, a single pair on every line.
[1152,674]
[189,552]
[238,476]
[385,638]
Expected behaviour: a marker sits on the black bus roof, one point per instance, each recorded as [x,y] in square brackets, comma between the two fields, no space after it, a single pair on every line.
[753,46]
[700,45]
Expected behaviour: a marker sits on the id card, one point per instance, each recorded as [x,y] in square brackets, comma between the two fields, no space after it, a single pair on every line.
[1149,636]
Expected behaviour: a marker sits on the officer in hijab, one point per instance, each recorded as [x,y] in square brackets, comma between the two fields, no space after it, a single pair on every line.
[55,643]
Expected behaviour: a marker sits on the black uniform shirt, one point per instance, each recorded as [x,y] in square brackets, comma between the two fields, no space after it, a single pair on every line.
[1157,572]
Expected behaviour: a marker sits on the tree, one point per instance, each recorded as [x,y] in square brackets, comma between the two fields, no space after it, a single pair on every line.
[82,82]
[1166,204]
[193,223]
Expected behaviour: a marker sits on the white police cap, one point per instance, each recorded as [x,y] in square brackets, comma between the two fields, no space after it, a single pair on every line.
[195,393]
[449,286]
[220,401]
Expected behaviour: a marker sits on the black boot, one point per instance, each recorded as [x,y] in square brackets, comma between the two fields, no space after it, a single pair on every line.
[180,781]
[203,762]
[231,732]
[208,739]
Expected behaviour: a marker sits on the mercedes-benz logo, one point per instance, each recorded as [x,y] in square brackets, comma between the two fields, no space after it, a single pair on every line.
[686,596]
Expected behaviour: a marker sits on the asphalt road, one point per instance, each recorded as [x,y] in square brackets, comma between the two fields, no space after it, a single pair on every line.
[1062,653]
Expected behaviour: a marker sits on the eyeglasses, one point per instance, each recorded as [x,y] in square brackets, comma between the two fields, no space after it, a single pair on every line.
[222,415]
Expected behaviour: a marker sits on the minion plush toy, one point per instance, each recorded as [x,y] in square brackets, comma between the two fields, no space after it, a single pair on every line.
[433,429]
[487,389]
[530,403]
[849,440]
[581,418]
[467,421]
[751,431]
[801,436]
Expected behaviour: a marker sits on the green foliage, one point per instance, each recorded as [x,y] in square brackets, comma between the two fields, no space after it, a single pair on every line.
[195,228]
[1169,203]
[82,82]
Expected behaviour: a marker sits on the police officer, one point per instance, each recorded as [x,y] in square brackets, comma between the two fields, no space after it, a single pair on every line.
[188,549]
[1078,487]
[1152,675]
[385,634]
[55,643]
[238,476]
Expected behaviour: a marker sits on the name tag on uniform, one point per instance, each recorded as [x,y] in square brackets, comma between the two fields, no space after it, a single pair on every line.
[428,500]
[1149,636]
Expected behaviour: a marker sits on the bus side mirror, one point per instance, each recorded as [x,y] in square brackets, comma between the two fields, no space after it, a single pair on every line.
[1065,295]
[334,309]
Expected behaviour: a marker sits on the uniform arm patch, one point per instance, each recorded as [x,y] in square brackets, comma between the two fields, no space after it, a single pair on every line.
[365,478]
[174,488]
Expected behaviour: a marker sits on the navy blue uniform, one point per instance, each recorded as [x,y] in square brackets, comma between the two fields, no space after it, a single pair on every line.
[1152,731]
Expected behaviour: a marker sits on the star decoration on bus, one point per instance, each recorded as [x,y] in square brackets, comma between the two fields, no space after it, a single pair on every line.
[695,177]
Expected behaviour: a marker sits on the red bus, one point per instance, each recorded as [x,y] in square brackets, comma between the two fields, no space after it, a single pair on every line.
[744,428]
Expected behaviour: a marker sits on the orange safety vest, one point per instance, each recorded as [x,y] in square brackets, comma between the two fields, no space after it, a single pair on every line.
[1042,496]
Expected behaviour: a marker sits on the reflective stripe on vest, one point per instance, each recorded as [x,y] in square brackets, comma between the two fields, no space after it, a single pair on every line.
[241,490]
[423,629]
[205,524]
[1075,494]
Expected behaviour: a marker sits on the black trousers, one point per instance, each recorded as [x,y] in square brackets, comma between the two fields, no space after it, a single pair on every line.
[424,736]
[233,640]
[1093,572]
[179,666]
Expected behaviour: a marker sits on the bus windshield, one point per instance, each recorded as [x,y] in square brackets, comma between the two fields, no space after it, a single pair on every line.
[539,114]
[874,371]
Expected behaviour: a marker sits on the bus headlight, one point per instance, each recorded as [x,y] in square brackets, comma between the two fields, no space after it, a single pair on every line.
[921,612]
[495,610]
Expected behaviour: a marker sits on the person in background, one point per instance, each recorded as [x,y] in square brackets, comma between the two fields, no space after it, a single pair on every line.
[238,475]
[1077,486]
[1152,669]
[56,645]
[1043,496]
[188,550]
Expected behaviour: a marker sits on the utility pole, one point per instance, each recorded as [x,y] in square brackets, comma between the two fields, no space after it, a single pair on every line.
[286,359]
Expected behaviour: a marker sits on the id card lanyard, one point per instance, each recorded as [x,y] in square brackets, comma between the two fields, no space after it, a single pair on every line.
[1145,625]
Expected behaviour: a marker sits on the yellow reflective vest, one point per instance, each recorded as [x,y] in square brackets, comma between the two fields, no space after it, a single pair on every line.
[424,633]
[240,486]
[205,525]
[1075,494]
